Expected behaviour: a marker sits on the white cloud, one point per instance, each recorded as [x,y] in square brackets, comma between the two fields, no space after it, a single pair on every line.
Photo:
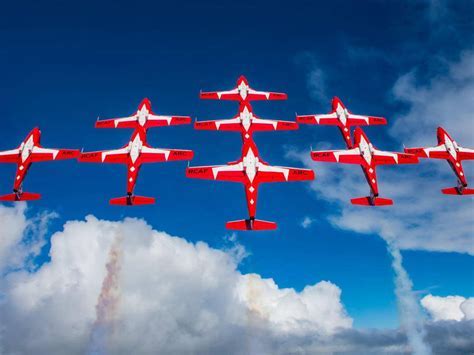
[173,297]
[449,308]
[422,218]
[307,222]
[445,100]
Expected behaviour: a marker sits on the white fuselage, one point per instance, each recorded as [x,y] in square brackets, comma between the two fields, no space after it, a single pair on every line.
[243,90]
[26,148]
[342,114]
[246,118]
[142,116]
[250,164]
[366,150]
[135,148]
[451,147]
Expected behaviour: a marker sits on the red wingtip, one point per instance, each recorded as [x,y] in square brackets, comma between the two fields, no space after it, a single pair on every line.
[242,79]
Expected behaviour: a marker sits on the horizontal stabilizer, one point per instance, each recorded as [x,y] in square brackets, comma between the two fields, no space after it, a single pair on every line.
[132,201]
[25,196]
[371,201]
[251,225]
[457,191]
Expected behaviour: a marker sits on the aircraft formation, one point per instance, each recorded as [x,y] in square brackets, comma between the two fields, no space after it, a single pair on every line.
[249,169]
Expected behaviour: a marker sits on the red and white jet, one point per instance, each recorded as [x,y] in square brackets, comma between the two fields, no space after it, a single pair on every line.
[144,117]
[251,171]
[30,151]
[341,117]
[134,154]
[246,122]
[368,157]
[243,92]
[449,150]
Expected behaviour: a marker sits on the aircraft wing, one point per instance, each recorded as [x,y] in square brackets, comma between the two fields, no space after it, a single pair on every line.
[260,124]
[115,156]
[325,119]
[234,95]
[268,173]
[265,95]
[438,152]
[152,121]
[389,158]
[232,124]
[349,156]
[125,122]
[45,154]
[10,156]
[221,95]
[360,120]
[465,153]
[152,155]
[232,172]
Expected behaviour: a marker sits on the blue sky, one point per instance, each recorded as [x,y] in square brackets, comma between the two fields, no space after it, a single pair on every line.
[66,64]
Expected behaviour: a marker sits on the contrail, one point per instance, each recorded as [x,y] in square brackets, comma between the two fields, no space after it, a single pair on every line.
[108,302]
[411,317]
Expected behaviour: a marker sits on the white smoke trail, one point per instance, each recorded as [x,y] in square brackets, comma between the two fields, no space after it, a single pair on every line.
[411,316]
[108,302]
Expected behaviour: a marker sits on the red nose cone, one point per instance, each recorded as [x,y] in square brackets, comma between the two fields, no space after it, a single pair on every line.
[145,102]
[335,102]
[242,79]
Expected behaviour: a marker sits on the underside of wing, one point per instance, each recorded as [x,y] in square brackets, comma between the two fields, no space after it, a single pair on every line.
[465,153]
[10,156]
[329,119]
[438,152]
[116,156]
[268,173]
[265,95]
[260,124]
[234,173]
[221,95]
[39,154]
[389,158]
[349,156]
[124,122]
[360,120]
[233,124]
[152,155]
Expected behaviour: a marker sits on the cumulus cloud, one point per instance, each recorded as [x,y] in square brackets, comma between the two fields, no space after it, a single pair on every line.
[449,308]
[124,288]
[422,218]
[171,295]
[444,100]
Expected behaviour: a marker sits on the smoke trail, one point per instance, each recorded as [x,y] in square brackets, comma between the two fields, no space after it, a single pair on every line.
[411,316]
[108,302]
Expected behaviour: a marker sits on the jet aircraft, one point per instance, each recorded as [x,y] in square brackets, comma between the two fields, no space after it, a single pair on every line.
[368,157]
[341,117]
[451,151]
[30,151]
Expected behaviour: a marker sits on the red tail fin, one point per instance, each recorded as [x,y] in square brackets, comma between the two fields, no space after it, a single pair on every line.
[132,201]
[457,191]
[371,201]
[25,196]
[251,225]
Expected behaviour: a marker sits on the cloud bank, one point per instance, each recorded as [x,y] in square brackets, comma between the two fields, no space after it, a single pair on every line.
[122,287]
